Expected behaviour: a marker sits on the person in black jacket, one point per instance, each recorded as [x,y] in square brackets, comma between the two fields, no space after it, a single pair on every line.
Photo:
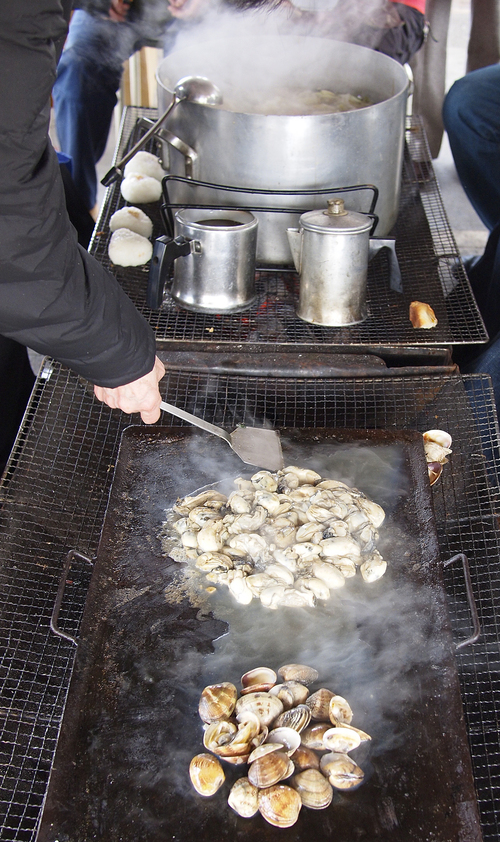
[54,297]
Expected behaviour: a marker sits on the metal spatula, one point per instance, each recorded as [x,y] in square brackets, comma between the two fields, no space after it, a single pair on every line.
[253,445]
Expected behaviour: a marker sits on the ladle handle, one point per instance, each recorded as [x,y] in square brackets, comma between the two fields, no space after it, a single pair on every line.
[198,422]
[116,172]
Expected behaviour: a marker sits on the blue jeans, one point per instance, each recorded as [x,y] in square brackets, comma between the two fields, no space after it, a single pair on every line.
[471,115]
[484,276]
[84,94]
[488,363]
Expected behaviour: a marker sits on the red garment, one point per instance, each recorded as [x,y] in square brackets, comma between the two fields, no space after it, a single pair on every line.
[419,5]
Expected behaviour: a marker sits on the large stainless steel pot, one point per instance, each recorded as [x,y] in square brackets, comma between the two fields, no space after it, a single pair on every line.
[283,152]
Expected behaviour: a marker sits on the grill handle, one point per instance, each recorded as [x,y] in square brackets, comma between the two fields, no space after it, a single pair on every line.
[73,554]
[470,596]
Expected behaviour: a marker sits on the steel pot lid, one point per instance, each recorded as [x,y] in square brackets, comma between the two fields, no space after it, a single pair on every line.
[335,219]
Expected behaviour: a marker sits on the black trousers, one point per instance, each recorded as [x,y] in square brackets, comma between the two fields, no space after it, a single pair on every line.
[16,383]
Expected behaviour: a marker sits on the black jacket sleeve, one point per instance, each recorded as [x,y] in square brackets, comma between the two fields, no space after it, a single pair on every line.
[54,296]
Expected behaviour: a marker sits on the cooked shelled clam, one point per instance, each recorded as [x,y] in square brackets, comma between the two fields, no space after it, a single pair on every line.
[287,538]
[288,762]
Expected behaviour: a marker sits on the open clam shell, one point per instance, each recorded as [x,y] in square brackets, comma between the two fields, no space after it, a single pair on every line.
[434,469]
[260,679]
[340,711]
[262,750]
[289,738]
[219,735]
[283,694]
[341,740]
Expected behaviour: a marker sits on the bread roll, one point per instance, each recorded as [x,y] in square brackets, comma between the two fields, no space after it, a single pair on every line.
[421,315]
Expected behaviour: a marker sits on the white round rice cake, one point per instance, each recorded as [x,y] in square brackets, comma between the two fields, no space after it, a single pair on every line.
[127,248]
[132,218]
[146,164]
[140,188]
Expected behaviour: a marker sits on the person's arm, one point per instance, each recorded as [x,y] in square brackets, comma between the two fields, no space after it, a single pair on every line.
[54,296]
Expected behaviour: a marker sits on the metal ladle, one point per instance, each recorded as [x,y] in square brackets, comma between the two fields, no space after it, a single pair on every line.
[192,88]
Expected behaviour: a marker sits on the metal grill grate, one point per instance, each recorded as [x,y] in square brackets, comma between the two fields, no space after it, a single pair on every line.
[430,264]
[56,497]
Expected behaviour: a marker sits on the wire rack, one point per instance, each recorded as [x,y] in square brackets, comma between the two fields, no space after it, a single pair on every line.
[430,264]
[53,499]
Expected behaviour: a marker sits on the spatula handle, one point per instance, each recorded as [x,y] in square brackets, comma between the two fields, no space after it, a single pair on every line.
[193,419]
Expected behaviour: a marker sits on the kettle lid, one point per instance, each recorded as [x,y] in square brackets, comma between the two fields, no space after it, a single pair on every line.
[335,219]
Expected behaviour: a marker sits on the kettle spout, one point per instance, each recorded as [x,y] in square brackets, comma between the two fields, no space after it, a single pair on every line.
[295,240]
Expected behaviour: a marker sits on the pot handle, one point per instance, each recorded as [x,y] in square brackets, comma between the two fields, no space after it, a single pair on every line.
[165,251]
[470,596]
[73,554]
[190,154]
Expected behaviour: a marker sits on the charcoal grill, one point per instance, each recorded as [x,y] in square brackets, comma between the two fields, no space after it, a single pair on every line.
[55,491]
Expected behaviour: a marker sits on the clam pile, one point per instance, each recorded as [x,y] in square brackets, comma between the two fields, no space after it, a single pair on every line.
[295,745]
[286,538]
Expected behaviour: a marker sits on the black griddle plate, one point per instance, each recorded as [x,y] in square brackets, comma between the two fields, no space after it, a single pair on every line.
[147,648]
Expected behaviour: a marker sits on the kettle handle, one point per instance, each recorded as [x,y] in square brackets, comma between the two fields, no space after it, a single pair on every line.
[165,251]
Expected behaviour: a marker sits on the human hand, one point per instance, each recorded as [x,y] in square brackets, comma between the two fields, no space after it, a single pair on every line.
[141,395]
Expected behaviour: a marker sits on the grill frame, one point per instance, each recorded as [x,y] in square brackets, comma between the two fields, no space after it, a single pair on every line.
[54,497]
[429,259]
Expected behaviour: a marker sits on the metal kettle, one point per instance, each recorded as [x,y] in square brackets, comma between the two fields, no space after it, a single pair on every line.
[331,249]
